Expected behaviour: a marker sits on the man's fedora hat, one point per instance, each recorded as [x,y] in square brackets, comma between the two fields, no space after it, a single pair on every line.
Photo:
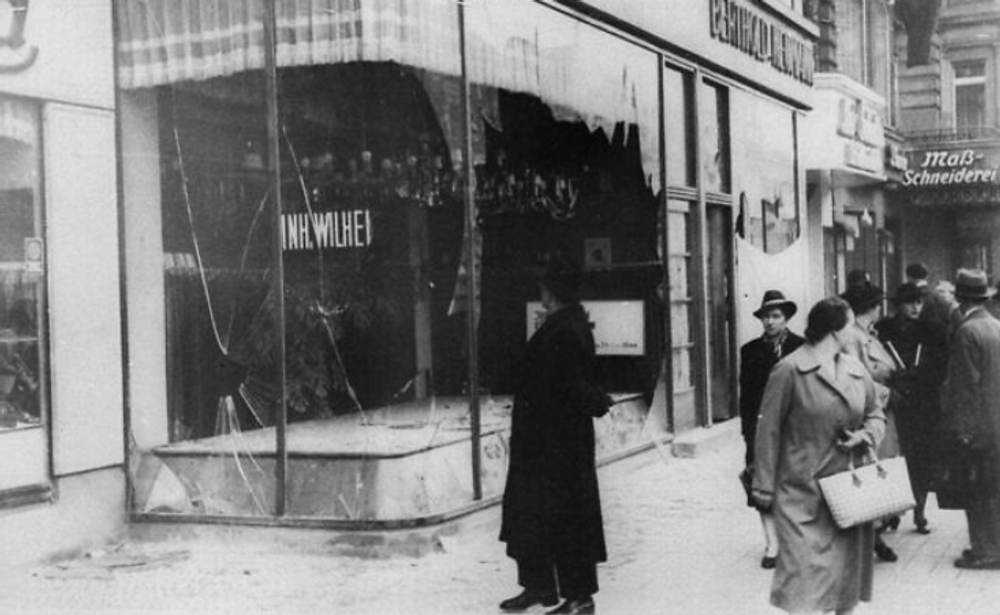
[973,284]
[863,297]
[775,300]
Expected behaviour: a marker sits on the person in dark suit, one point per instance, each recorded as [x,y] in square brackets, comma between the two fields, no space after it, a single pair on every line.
[920,347]
[757,358]
[551,518]
[971,412]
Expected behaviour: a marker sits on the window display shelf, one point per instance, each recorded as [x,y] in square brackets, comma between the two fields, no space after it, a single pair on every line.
[403,462]
[18,339]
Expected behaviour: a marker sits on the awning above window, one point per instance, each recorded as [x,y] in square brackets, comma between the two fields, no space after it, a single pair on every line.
[165,41]
[518,45]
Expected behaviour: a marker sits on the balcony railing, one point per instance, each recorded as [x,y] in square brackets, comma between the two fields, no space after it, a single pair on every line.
[960,134]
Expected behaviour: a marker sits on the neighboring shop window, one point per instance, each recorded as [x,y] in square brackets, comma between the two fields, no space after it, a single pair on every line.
[681,302]
[22,405]
[714,118]
[764,161]
[970,94]
[678,134]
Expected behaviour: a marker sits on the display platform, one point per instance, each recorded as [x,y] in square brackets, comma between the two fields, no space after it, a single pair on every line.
[396,464]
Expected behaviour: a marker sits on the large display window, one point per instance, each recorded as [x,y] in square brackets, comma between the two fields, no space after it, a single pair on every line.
[414,194]
[23,403]
[765,176]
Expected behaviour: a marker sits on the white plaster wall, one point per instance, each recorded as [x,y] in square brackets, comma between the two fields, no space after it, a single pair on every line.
[144,268]
[89,511]
[81,214]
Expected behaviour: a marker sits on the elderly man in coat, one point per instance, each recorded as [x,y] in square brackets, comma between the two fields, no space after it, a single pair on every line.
[972,413]
[551,505]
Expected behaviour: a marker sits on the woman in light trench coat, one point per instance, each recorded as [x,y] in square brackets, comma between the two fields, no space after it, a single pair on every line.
[818,407]
[865,300]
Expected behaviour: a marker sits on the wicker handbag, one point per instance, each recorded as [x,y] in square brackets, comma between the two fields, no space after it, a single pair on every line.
[862,494]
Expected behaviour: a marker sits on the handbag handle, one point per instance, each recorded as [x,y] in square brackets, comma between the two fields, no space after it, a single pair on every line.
[853,469]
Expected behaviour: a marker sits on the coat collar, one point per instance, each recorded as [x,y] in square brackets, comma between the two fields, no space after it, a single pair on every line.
[806,360]
[977,312]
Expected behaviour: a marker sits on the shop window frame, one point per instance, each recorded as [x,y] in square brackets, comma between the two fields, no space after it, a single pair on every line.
[42,492]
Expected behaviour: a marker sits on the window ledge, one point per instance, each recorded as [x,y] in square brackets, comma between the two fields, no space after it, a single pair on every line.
[26,496]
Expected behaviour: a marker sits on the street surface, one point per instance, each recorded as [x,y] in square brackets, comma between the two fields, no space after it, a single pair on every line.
[680,540]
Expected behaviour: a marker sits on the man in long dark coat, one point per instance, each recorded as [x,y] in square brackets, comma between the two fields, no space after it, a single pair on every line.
[551,506]
[972,413]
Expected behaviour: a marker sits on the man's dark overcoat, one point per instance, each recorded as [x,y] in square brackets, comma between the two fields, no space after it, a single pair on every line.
[972,410]
[922,346]
[551,504]
[757,359]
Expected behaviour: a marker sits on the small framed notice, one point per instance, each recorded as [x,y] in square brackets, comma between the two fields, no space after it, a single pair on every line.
[619,326]
[597,252]
[34,254]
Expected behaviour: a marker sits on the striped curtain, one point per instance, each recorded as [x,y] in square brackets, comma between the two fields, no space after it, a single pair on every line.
[518,45]
[165,41]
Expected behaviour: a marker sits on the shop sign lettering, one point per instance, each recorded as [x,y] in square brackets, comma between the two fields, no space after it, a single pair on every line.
[742,27]
[16,54]
[330,229]
[950,168]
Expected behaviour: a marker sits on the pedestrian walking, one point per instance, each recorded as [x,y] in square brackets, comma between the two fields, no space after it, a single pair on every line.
[819,406]
[757,358]
[551,519]
[920,347]
[866,302]
[972,414]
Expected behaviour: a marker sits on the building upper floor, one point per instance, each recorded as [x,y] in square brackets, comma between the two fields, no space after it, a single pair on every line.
[953,95]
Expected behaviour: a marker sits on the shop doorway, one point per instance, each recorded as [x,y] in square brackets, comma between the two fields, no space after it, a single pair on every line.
[720,313]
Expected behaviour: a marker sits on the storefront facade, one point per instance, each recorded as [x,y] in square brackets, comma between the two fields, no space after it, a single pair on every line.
[952,195]
[849,178]
[298,293]
[853,147]
[62,481]
[391,170]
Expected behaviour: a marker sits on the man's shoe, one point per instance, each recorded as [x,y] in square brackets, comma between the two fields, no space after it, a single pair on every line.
[574,606]
[978,563]
[527,599]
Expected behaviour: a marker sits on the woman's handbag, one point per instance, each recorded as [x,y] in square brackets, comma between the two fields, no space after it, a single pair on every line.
[862,494]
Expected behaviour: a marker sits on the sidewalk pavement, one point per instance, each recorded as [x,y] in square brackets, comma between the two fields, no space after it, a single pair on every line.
[680,540]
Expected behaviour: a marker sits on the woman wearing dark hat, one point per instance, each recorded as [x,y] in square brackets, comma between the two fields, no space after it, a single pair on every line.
[920,347]
[551,507]
[866,302]
[757,358]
